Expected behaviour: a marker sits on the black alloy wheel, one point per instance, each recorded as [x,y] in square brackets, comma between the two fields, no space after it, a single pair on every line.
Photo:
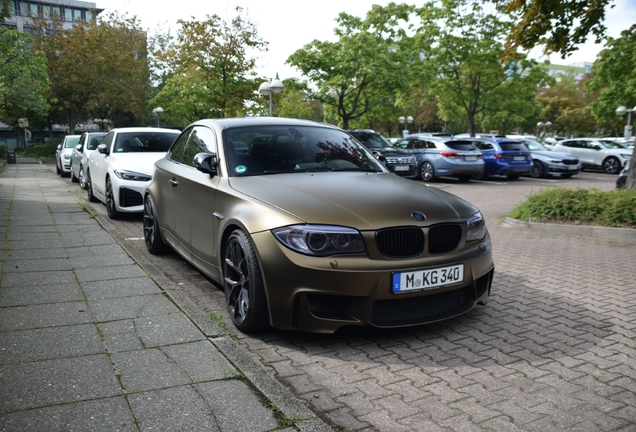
[611,165]
[110,201]
[537,170]
[243,284]
[152,234]
[89,188]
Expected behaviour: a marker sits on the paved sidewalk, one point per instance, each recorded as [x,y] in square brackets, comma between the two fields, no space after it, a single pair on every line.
[93,338]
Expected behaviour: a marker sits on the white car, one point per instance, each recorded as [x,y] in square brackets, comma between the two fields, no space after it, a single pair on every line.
[63,154]
[597,153]
[87,144]
[123,165]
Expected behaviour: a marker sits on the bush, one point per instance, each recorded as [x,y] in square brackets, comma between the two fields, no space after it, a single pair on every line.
[615,208]
[3,152]
[45,151]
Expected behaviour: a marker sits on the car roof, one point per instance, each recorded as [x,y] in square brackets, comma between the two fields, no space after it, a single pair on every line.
[429,137]
[258,121]
[144,129]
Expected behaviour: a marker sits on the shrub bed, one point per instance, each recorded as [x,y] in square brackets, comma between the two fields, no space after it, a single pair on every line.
[580,206]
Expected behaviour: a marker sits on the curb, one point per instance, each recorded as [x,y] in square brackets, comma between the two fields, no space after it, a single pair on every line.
[624,234]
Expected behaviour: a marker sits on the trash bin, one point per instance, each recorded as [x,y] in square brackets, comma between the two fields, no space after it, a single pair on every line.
[11,156]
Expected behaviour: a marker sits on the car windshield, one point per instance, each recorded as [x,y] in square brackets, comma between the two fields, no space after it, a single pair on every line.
[94,140]
[259,150]
[71,142]
[146,142]
[534,145]
[371,140]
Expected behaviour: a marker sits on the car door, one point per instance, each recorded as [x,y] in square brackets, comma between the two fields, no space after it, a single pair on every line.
[76,156]
[488,155]
[194,199]
[98,166]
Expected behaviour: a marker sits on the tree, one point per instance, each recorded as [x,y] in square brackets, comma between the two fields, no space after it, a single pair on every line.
[362,68]
[97,70]
[462,46]
[559,25]
[614,78]
[207,71]
[23,76]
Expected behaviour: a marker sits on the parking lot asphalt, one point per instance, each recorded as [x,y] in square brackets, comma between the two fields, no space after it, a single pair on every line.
[554,349]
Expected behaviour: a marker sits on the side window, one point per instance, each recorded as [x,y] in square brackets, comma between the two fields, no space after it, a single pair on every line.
[108,140]
[570,144]
[431,145]
[202,140]
[176,151]
[417,144]
[82,140]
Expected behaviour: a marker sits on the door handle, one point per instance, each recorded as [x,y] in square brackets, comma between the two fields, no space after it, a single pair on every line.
[173,182]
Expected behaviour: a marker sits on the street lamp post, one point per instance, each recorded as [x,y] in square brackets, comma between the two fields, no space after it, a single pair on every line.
[542,126]
[275,87]
[101,123]
[158,112]
[406,121]
[621,110]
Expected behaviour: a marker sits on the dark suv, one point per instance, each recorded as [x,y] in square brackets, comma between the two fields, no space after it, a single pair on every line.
[397,160]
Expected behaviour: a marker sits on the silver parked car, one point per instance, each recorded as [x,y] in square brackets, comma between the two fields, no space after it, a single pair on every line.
[443,156]
[546,162]
[63,154]
[88,143]
[597,153]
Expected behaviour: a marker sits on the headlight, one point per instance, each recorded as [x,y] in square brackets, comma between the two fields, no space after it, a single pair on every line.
[626,155]
[555,161]
[320,240]
[476,227]
[67,156]
[131,175]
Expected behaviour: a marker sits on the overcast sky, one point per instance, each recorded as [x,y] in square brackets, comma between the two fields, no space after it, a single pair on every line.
[288,25]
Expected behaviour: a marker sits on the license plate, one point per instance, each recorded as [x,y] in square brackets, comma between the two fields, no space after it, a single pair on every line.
[470,158]
[573,167]
[518,158]
[401,168]
[428,278]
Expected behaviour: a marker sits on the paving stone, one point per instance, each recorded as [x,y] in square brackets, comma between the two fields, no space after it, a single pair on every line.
[45,315]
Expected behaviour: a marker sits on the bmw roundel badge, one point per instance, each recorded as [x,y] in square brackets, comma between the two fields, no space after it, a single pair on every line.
[418,216]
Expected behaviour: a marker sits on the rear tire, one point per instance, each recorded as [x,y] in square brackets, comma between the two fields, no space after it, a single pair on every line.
[243,284]
[152,233]
[427,172]
[89,188]
[464,179]
[481,176]
[611,165]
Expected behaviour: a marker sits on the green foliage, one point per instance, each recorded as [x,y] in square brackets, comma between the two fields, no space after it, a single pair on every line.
[45,151]
[23,76]
[206,70]
[567,105]
[559,25]
[580,206]
[614,76]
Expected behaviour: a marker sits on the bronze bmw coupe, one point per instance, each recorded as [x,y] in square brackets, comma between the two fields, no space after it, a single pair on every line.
[306,230]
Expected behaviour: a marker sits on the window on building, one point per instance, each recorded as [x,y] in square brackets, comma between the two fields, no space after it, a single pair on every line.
[11,8]
[24,9]
[29,30]
[56,12]
[77,15]
[33,9]
[89,15]
[68,14]
[46,11]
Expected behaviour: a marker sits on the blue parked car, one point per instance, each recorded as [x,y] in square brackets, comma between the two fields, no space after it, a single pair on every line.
[443,157]
[503,156]
[547,162]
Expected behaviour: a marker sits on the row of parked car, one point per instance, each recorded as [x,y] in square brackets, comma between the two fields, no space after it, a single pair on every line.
[428,156]
[283,214]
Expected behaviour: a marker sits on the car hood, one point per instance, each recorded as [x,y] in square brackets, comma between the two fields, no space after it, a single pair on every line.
[359,200]
[143,163]
[553,154]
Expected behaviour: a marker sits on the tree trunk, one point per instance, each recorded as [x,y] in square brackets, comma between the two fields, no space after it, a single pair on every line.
[631,173]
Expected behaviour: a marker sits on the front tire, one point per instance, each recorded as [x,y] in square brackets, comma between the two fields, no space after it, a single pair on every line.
[427,172]
[152,234]
[537,171]
[89,188]
[82,180]
[111,208]
[243,284]
[611,165]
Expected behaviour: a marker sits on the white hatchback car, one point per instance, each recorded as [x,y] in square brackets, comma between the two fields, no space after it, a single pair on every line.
[123,165]
[596,153]
[87,144]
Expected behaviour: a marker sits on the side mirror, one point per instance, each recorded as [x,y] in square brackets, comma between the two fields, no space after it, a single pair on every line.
[103,149]
[206,163]
[380,157]
[59,147]
[79,147]
[596,147]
